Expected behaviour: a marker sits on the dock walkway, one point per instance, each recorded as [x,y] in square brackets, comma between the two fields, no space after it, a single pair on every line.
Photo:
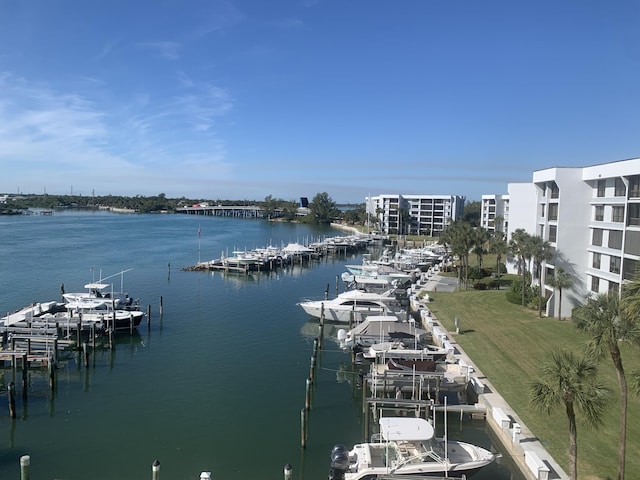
[525,448]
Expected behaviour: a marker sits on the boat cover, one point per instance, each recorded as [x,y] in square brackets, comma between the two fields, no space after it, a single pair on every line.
[406,429]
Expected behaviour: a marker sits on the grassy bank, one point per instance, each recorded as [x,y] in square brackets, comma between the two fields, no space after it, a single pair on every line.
[508,344]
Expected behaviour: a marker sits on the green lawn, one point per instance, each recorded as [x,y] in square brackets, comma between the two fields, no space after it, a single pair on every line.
[508,344]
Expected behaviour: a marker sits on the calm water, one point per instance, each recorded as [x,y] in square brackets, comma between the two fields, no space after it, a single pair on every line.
[216,384]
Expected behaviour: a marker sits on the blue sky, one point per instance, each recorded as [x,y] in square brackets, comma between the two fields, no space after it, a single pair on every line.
[244,99]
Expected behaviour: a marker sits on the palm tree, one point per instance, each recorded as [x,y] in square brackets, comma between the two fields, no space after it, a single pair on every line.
[560,281]
[603,319]
[635,382]
[541,251]
[518,246]
[480,238]
[572,382]
[498,246]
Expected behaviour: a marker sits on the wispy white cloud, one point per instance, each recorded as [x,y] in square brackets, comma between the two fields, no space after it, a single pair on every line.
[107,49]
[164,49]
[224,16]
[49,138]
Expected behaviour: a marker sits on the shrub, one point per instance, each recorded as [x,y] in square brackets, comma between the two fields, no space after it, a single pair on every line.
[480,286]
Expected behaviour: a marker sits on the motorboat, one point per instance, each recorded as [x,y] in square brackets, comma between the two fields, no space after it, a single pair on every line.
[382,328]
[29,314]
[419,377]
[353,306]
[96,311]
[102,290]
[398,350]
[407,446]
[96,290]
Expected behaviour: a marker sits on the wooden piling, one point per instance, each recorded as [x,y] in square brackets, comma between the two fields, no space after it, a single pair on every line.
[161,305]
[12,399]
[149,314]
[25,465]
[303,428]
[307,394]
[92,331]
[312,368]
[51,369]
[288,471]
[111,344]
[155,470]
[25,371]
[337,284]
[85,351]
[131,324]
[79,327]
[365,407]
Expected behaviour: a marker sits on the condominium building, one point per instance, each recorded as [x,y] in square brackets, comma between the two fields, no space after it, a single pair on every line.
[494,213]
[591,218]
[414,214]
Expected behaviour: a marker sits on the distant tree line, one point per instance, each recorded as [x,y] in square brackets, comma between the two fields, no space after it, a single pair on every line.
[322,209]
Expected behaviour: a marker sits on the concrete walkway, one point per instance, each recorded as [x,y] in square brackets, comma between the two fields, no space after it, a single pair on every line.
[525,449]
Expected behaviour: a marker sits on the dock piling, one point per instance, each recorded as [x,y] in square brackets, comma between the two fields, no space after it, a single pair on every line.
[288,471]
[25,464]
[155,470]
[12,399]
[303,428]
[307,394]
[85,351]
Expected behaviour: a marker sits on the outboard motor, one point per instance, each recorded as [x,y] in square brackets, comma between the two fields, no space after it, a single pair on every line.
[339,462]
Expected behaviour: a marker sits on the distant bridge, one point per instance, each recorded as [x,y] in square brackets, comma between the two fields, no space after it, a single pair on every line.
[243,211]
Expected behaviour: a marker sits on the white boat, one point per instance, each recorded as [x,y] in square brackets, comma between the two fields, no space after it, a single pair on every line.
[407,446]
[382,328]
[29,313]
[353,306]
[419,378]
[103,290]
[97,311]
[372,283]
[398,350]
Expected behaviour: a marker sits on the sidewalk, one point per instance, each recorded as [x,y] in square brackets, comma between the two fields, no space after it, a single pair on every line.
[526,450]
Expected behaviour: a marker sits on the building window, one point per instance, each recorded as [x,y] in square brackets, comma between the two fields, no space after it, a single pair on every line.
[620,189]
[615,239]
[614,264]
[555,191]
[553,211]
[597,237]
[631,269]
[595,284]
[553,232]
[595,263]
[599,216]
[601,188]
[634,186]
[542,211]
[617,214]
[633,214]
[614,288]
[632,242]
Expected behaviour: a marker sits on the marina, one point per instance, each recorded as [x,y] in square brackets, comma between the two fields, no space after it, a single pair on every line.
[190,377]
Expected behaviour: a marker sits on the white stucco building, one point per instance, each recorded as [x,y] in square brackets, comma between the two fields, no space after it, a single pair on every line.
[426,214]
[494,213]
[591,217]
